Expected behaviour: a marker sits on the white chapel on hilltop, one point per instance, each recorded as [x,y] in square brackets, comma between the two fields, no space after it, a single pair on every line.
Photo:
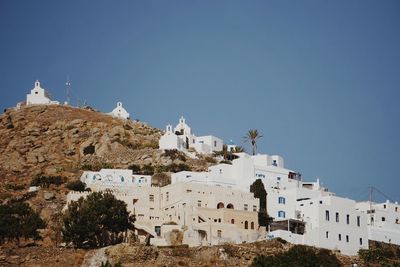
[39,96]
[182,139]
[119,112]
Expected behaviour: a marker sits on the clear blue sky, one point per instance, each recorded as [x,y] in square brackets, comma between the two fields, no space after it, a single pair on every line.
[319,79]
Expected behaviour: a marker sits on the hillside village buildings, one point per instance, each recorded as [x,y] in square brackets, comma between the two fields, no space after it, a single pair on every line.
[182,139]
[214,207]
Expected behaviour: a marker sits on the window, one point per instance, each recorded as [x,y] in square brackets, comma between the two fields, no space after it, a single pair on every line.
[246,207]
[340,237]
[157,229]
[326,234]
[122,178]
[246,225]
[327,215]
[215,143]
[397,221]
[347,238]
[198,203]
[360,241]
[274,163]
[395,209]
[233,221]
[252,225]
[219,233]
[337,216]
[384,206]
[320,202]
[151,198]
[167,196]
[383,219]
[278,178]
[348,219]
[254,208]
[281,214]
[281,200]
[358,221]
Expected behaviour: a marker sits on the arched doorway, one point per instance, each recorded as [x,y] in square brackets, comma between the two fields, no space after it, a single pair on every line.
[220,205]
[246,225]
[252,225]
[229,206]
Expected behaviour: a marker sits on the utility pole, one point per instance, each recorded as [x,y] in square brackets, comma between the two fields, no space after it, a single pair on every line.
[370,204]
[68,90]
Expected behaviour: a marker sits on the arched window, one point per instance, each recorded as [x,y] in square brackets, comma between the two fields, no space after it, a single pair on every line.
[229,206]
[220,205]
[122,178]
[233,221]
[246,225]
[281,214]
[252,225]
[281,200]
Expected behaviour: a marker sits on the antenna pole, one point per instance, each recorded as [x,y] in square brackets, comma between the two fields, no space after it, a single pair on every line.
[68,89]
[370,204]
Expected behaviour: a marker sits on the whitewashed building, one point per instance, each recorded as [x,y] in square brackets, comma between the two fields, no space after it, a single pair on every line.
[383,221]
[205,214]
[183,139]
[119,112]
[39,96]
[122,180]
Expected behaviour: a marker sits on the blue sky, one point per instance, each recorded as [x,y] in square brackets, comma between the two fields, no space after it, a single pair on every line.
[319,79]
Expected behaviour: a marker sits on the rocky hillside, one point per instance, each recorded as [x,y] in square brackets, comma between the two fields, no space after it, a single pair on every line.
[61,140]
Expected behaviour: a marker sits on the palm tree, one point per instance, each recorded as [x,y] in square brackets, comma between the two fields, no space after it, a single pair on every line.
[251,136]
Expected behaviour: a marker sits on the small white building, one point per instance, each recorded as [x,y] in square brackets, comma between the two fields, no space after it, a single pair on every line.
[118,179]
[383,221]
[39,96]
[183,139]
[171,141]
[119,112]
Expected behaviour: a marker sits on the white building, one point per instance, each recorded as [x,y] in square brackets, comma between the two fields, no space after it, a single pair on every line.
[383,221]
[121,180]
[183,139]
[119,112]
[39,96]
[205,214]
[292,201]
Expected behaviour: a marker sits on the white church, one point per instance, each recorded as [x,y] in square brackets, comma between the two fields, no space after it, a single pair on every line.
[182,139]
[39,96]
[119,112]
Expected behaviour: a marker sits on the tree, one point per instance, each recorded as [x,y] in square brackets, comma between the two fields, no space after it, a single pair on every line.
[96,221]
[258,189]
[76,186]
[252,136]
[17,219]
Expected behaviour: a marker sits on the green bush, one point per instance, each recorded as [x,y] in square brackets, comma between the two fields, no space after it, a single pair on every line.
[378,255]
[96,221]
[46,181]
[15,187]
[298,255]
[76,186]
[135,168]
[18,220]
[147,169]
[178,167]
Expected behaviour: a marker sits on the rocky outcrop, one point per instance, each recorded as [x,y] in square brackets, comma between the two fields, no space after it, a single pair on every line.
[48,139]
